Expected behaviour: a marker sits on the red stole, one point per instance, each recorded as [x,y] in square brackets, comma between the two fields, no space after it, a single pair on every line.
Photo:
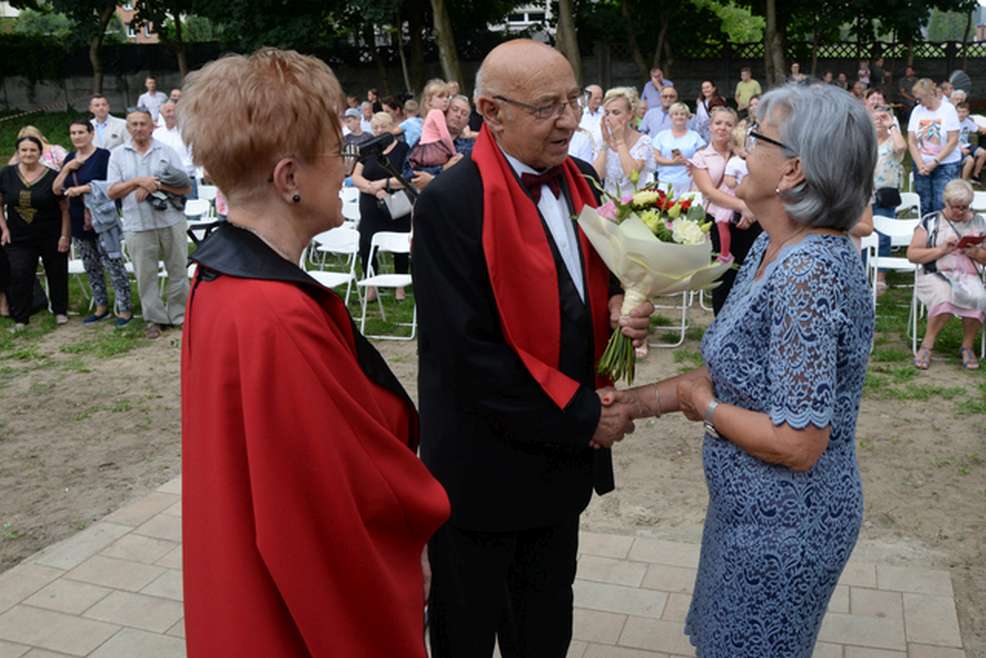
[523,272]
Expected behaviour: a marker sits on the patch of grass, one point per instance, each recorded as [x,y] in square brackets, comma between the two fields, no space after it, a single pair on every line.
[695,333]
[121,406]
[689,357]
[970,407]
[890,354]
[27,353]
[658,320]
[75,364]
[108,343]
[86,413]
[9,532]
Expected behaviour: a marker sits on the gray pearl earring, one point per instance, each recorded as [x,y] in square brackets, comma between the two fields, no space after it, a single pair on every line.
[296,197]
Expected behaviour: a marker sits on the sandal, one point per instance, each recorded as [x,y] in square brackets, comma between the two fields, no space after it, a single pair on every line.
[969,361]
[922,359]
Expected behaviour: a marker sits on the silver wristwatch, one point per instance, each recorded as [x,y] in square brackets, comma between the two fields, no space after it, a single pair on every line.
[709,418]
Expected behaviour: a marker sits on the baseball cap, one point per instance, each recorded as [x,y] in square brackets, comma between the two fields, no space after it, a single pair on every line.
[352,112]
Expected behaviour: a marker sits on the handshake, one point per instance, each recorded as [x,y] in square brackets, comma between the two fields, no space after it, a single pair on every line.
[619,410]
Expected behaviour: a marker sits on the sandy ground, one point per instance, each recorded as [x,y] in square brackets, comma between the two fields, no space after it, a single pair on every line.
[75,446]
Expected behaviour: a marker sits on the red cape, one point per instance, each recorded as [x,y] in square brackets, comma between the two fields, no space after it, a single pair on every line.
[304,509]
[523,272]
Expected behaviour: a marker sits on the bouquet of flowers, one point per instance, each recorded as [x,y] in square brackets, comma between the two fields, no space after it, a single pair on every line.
[655,244]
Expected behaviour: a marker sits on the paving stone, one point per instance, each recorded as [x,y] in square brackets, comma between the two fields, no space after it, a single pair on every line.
[656,635]
[178,630]
[150,613]
[677,607]
[68,596]
[22,581]
[11,650]
[131,643]
[167,585]
[911,579]
[931,620]
[863,652]
[608,570]
[925,651]
[162,526]
[876,603]
[859,574]
[840,599]
[141,511]
[596,626]
[826,650]
[670,579]
[576,649]
[117,574]
[75,550]
[138,548]
[171,487]
[604,545]
[172,560]
[664,552]
[600,651]
[875,632]
[46,629]
[41,653]
[174,510]
[618,599]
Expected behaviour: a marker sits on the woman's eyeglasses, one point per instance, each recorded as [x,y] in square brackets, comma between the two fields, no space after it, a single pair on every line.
[753,137]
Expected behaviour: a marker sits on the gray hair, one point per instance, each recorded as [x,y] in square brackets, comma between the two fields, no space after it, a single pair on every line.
[479,89]
[958,190]
[462,98]
[834,137]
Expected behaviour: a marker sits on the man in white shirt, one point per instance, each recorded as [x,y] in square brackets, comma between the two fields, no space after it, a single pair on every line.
[592,115]
[170,135]
[109,131]
[367,111]
[152,99]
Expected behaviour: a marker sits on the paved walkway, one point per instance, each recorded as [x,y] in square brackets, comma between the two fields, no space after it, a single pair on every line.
[114,591]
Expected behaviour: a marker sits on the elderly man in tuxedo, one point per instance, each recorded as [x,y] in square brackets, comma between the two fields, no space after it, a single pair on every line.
[515,308]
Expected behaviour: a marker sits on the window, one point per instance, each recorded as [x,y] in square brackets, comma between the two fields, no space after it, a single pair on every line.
[128,6]
[515,18]
[536,17]
[131,31]
[148,29]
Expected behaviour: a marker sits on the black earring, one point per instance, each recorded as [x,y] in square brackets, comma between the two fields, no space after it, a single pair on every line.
[296,197]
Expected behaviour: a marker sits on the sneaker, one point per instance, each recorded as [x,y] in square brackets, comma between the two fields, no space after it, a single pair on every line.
[92,319]
[119,323]
[18,327]
[61,319]
[152,331]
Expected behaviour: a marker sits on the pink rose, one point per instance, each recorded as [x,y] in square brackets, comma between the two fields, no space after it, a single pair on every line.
[607,210]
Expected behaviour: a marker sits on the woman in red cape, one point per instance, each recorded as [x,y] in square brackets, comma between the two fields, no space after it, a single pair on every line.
[305,507]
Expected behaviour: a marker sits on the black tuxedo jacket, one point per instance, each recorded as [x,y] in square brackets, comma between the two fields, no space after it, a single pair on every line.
[508,457]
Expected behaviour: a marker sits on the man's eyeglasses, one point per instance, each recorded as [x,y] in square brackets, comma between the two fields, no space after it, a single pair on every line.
[753,137]
[349,154]
[550,111]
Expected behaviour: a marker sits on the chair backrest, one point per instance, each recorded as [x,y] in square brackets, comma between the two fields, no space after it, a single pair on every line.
[349,195]
[197,207]
[979,201]
[350,212]
[208,192]
[396,243]
[909,201]
[900,231]
[341,240]
[869,243]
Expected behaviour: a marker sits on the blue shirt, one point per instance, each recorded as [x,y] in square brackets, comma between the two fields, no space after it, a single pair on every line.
[412,130]
[652,94]
[655,121]
[665,142]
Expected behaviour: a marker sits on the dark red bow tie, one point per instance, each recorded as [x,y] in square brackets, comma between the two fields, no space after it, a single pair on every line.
[534,182]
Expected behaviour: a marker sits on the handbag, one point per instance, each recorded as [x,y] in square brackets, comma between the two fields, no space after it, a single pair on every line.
[888,197]
[398,204]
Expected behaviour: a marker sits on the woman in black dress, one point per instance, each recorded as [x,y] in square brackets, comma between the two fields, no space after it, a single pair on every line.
[375,184]
[34,224]
[85,164]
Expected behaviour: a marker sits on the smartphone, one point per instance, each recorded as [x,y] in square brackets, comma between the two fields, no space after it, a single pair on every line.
[675,153]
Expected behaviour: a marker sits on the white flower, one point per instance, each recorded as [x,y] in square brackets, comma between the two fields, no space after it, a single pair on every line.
[686,231]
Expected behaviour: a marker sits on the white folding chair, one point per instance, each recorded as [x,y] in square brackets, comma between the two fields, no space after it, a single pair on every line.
[77,269]
[869,247]
[910,206]
[979,202]
[343,240]
[349,194]
[395,243]
[197,208]
[681,325]
[208,193]
[918,310]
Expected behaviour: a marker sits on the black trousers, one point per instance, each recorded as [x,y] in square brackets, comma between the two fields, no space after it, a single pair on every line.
[512,586]
[740,243]
[23,258]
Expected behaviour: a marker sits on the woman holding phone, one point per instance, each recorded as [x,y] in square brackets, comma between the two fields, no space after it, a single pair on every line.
[949,248]
[673,148]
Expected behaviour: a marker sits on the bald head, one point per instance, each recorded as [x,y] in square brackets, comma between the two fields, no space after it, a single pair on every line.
[530,101]
[595,93]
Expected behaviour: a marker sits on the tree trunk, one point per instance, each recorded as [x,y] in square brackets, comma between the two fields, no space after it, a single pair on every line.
[95,43]
[416,26]
[965,40]
[369,36]
[773,46]
[815,38]
[668,63]
[567,40]
[180,53]
[400,51]
[662,36]
[445,37]
[638,57]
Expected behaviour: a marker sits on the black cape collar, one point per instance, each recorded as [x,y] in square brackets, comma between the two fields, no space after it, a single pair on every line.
[239,253]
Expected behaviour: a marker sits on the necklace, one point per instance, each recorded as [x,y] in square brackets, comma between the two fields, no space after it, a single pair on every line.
[772,250]
[263,239]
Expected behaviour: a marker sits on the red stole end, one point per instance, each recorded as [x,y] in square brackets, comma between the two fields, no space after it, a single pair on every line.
[523,273]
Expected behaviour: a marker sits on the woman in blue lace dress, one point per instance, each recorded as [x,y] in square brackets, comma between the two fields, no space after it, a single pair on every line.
[779,396]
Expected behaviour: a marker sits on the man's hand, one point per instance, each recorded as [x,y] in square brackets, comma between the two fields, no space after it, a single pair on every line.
[694,396]
[454,160]
[633,326]
[421,179]
[142,194]
[149,183]
[426,571]
[614,423]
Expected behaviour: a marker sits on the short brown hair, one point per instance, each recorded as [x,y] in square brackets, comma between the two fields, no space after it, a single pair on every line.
[278,103]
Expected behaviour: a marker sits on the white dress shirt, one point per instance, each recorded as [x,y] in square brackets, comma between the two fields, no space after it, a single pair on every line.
[558,216]
[592,122]
[172,137]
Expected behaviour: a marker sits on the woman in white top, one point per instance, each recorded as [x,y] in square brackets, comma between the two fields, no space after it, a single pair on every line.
[673,148]
[626,160]
[933,139]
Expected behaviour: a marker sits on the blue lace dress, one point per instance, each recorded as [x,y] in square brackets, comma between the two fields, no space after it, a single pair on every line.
[793,344]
